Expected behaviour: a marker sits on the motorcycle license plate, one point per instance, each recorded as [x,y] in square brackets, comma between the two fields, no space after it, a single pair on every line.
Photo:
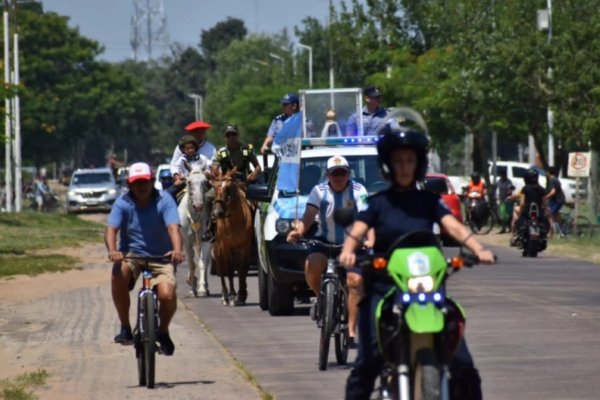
[534,231]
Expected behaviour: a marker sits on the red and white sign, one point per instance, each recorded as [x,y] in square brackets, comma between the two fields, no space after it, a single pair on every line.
[579,164]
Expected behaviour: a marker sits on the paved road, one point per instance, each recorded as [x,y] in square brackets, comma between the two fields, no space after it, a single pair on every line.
[532,327]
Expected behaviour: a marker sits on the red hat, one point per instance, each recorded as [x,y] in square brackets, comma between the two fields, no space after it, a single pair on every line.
[139,171]
[197,125]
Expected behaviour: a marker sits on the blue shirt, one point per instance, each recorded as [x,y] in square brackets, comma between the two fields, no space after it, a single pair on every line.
[276,125]
[143,231]
[371,122]
[394,213]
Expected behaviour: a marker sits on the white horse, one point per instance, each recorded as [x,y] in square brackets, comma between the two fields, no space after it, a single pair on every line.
[197,253]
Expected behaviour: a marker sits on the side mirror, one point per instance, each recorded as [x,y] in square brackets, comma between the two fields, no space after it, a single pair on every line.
[258,192]
[343,216]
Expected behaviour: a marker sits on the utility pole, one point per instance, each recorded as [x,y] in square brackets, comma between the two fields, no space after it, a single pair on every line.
[148,27]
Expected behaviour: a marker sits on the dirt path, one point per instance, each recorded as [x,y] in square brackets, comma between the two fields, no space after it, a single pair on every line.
[65,322]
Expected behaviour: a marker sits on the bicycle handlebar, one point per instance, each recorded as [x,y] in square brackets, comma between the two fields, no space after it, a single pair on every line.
[159,259]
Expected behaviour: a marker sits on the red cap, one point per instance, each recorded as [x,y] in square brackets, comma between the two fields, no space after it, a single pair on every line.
[197,125]
[139,171]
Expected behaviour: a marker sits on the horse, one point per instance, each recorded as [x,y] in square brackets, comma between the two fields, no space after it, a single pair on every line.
[197,253]
[233,239]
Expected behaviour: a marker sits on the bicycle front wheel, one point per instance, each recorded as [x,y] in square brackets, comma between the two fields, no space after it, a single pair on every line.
[341,334]
[327,322]
[149,337]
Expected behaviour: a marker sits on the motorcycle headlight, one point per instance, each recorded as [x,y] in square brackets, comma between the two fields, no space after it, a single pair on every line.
[283,226]
[420,284]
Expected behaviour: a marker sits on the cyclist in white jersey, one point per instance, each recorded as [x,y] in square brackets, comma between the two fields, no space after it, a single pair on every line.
[338,191]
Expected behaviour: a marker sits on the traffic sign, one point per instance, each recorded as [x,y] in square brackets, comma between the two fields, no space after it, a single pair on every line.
[579,164]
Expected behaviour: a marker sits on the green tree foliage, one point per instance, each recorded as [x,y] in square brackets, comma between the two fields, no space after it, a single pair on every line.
[219,37]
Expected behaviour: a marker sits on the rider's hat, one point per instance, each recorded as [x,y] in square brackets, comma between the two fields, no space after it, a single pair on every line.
[197,125]
[230,128]
[289,98]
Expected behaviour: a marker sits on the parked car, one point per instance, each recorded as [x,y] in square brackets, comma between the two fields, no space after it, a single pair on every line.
[440,184]
[515,171]
[93,189]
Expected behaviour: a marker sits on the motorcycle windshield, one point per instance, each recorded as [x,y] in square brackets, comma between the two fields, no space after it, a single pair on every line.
[407,263]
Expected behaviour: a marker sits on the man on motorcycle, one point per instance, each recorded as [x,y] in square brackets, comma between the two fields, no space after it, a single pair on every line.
[403,208]
[532,193]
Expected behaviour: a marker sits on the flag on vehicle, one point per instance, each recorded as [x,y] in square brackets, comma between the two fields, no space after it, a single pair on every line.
[286,146]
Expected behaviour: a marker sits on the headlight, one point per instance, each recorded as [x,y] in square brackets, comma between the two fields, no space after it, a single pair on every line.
[283,226]
[421,284]
[71,193]
[112,192]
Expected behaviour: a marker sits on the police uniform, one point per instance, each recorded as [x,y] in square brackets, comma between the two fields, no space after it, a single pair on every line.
[392,213]
[241,158]
[371,122]
[276,125]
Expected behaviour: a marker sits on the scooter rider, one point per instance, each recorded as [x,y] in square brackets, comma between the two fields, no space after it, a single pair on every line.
[402,154]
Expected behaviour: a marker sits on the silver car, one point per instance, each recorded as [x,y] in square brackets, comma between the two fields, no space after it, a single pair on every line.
[92,189]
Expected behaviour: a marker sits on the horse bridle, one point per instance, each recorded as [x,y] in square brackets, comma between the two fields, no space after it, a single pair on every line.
[226,197]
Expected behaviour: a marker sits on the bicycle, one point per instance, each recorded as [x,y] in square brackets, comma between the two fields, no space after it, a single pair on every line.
[570,226]
[146,329]
[332,317]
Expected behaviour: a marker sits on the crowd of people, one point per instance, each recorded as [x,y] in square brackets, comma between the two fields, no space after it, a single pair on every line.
[144,221]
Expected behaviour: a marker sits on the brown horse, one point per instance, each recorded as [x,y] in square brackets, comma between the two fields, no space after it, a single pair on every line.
[233,239]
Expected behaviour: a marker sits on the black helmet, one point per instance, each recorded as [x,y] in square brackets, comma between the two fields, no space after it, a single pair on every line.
[476,177]
[188,139]
[531,176]
[394,136]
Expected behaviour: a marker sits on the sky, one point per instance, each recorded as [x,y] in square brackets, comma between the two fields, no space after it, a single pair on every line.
[109,21]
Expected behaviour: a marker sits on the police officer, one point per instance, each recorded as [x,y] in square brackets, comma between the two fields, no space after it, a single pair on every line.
[290,104]
[233,154]
[372,114]
[402,208]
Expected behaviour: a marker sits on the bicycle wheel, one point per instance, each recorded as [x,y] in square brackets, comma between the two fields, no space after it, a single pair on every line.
[141,359]
[341,336]
[327,322]
[149,337]
[580,227]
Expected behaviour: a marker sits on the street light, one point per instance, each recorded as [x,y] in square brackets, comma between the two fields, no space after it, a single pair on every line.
[310,63]
[198,105]
[279,58]
[544,23]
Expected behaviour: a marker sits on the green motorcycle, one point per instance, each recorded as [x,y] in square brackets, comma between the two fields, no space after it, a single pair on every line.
[418,326]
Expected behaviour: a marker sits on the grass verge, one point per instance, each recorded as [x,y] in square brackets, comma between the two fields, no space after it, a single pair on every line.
[21,234]
[20,387]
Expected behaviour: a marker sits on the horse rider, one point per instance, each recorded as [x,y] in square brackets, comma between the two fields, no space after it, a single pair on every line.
[197,129]
[233,154]
[347,193]
[190,149]
[148,224]
[373,114]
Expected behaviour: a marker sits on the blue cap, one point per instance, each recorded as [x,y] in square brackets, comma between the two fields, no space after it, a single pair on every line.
[372,91]
[289,98]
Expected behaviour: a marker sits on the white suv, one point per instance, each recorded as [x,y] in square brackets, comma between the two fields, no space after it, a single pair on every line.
[515,171]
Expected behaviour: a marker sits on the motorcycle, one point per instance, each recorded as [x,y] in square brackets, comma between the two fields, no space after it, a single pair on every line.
[50,202]
[418,326]
[478,214]
[532,233]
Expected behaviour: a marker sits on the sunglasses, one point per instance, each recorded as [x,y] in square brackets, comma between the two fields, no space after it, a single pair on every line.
[230,134]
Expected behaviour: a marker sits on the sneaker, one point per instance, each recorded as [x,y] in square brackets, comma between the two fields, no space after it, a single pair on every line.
[167,347]
[314,310]
[125,337]
[352,342]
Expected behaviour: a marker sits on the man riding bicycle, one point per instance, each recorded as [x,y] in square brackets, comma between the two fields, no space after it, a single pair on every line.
[338,192]
[148,225]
